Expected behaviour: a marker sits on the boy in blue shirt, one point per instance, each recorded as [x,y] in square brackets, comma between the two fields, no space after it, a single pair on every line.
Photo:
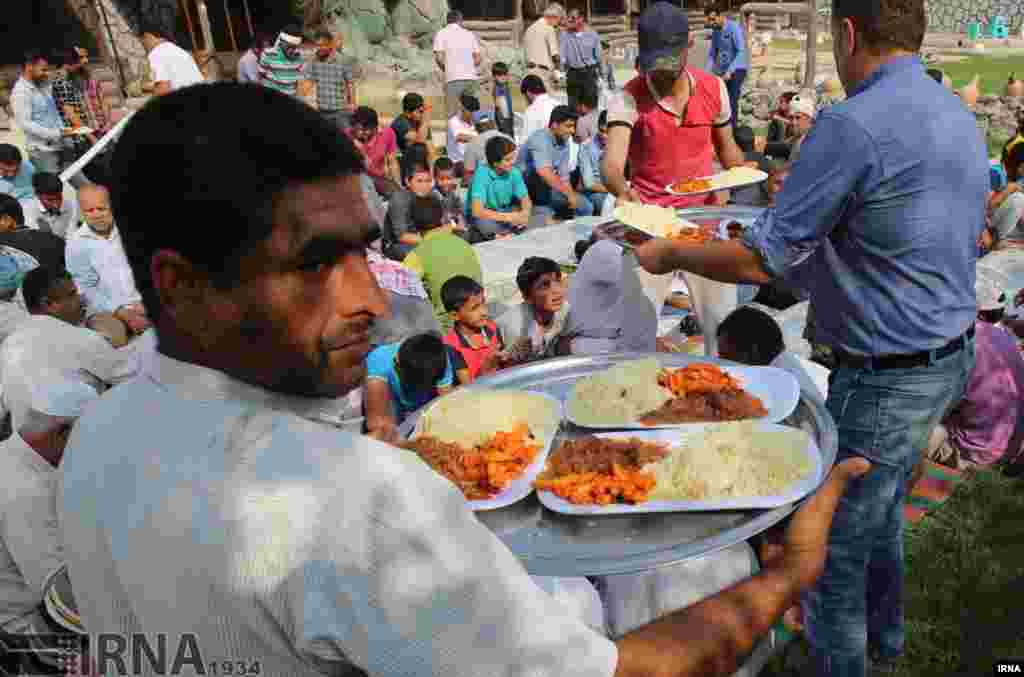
[503,99]
[498,203]
[402,377]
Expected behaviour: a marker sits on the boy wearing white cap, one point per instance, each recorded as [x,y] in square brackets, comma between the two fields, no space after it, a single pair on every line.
[802,109]
[30,548]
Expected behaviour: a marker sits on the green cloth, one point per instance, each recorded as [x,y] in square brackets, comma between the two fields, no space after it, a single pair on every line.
[438,258]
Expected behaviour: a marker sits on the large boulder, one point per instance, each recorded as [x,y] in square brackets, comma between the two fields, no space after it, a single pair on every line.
[418,20]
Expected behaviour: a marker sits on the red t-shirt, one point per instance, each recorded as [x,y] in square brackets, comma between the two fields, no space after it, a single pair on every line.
[475,355]
[377,149]
[665,148]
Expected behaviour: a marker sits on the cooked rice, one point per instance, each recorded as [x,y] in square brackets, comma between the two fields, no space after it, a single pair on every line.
[618,395]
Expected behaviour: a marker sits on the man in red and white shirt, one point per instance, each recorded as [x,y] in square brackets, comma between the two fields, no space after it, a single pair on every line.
[671,121]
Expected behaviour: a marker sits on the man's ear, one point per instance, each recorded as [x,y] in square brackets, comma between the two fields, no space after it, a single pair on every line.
[179,284]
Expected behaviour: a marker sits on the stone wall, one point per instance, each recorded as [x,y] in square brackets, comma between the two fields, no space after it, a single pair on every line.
[952,16]
[129,47]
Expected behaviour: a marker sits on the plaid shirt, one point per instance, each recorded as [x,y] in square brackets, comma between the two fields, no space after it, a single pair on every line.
[332,79]
[395,277]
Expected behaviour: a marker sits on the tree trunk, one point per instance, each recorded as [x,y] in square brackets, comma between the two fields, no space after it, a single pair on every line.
[812,44]
[312,13]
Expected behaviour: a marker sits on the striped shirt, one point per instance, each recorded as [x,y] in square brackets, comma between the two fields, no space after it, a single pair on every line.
[279,72]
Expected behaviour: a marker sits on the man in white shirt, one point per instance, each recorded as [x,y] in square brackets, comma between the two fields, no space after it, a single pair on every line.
[171,67]
[538,112]
[457,53]
[30,546]
[278,539]
[461,131]
[96,261]
[53,338]
[54,206]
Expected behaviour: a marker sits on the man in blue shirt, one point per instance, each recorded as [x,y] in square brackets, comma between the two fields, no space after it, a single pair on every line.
[15,173]
[879,219]
[595,184]
[544,163]
[728,57]
[580,48]
[35,112]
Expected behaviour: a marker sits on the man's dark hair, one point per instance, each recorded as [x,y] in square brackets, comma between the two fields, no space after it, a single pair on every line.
[588,97]
[33,55]
[499,68]
[470,103]
[454,17]
[216,167]
[936,74]
[745,138]
[532,269]
[417,153]
[11,207]
[151,27]
[443,164]
[459,289]
[63,57]
[497,148]
[412,166]
[602,120]
[754,335]
[324,34]
[560,114]
[532,84]
[422,362]
[39,283]
[1014,159]
[787,96]
[412,102]
[10,154]
[427,212]
[294,30]
[45,183]
[885,25]
[364,116]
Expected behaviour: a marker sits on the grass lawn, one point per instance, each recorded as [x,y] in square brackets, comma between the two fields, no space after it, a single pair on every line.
[965,583]
[994,71]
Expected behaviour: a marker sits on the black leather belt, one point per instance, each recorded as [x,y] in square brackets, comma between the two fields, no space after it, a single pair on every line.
[908,361]
[583,68]
[537,65]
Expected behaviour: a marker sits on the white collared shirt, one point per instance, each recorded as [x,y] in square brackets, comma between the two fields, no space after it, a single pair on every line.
[198,503]
[30,547]
[538,115]
[42,344]
[60,224]
[100,270]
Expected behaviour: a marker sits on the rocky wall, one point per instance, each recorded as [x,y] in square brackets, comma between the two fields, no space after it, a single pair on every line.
[952,16]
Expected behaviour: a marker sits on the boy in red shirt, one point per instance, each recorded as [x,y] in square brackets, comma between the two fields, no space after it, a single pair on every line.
[475,337]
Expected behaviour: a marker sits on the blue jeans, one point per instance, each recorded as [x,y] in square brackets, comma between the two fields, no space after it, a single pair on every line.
[734,86]
[553,202]
[596,199]
[885,416]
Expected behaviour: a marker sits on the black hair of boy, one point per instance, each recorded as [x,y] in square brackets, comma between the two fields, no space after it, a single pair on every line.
[532,84]
[457,291]
[422,361]
[754,335]
[532,269]
[10,155]
[499,68]
[412,102]
[602,120]
[498,148]
[38,283]
[588,97]
[427,213]
[745,138]
[365,117]
[11,207]
[562,114]
[413,166]
[47,183]
[443,164]
[470,103]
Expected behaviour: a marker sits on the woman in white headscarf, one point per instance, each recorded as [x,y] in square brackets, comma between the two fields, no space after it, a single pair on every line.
[609,310]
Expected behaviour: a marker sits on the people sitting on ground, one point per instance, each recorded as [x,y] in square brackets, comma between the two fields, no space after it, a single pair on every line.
[539,105]
[609,310]
[379,149]
[12,313]
[446,189]
[461,130]
[473,335]
[411,311]
[544,162]
[15,173]
[1006,205]
[282,66]
[399,233]
[53,208]
[586,114]
[476,155]
[401,378]
[536,329]
[335,93]
[53,338]
[764,193]
[30,546]
[592,176]
[803,110]
[97,262]
[498,202]
[751,336]
[987,426]
[30,247]
[779,141]
[413,125]
[503,112]
[746,142]
[440,255]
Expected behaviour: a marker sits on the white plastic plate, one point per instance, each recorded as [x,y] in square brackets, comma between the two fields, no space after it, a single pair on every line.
[724,181]
[777,389]
[672,438]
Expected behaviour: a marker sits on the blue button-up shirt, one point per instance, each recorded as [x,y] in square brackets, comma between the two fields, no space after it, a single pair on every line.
[36,113]
[881,215]
[579,50]
[542,150]
[591,165]
[728,50]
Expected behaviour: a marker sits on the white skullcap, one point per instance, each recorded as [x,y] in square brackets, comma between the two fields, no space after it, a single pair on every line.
[554,9]
[54,400]
[989,289]
[802,103]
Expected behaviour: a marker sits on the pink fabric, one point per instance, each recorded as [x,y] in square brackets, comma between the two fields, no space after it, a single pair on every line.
[984,425]
[458,45]
[661,151]
[395,277]
[383,143]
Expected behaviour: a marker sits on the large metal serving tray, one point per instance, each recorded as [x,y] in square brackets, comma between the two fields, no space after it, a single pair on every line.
[550,544]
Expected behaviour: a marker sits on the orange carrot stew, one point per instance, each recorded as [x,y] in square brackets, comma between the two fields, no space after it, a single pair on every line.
[697,378]
[593,488]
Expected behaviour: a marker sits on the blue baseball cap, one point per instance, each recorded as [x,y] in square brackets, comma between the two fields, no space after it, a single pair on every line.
[664,37]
